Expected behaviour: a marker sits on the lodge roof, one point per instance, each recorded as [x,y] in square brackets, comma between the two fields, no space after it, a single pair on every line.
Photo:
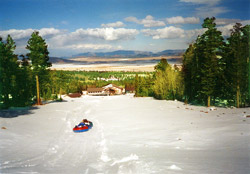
[95,89]
[114,86]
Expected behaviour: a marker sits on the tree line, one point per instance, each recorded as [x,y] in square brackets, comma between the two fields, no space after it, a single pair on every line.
[214,71]
[17,77]
[24,78]
[166,83]
[65,82]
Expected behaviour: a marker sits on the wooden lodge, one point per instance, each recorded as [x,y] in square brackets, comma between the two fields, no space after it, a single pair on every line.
[96,91]
[110,89]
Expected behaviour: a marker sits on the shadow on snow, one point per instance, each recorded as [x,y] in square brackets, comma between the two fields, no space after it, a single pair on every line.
[15,112]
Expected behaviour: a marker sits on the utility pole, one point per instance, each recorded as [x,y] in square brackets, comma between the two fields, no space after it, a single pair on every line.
[37,90]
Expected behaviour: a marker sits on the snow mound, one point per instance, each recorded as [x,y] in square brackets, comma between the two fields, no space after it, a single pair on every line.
[174,167]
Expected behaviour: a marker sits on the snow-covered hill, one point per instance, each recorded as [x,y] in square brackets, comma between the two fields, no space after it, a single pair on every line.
[130,135]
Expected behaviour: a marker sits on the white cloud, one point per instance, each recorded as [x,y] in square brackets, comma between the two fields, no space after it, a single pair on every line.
[108,34]
[225,29]
[246,22]
[16,34]
[114,25]
[207,8]
[90,46]
[132,19]
[181,20]
[148,21]
[192,34]
[165,33]
[25,34]
[50,32]
[87,39]
[223,21]
[209,11]
[93,35]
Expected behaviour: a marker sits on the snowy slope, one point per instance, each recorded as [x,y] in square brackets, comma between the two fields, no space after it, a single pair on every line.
[130,135]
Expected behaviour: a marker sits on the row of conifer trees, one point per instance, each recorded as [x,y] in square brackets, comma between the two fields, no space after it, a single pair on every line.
[215,70]
[18,77]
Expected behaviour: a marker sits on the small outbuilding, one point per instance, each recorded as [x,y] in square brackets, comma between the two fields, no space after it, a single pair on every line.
[74,95]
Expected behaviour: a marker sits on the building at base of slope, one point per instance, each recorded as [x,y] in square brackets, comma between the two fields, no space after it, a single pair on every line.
[110,89]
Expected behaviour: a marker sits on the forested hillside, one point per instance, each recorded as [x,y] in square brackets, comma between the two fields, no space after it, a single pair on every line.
[215,71]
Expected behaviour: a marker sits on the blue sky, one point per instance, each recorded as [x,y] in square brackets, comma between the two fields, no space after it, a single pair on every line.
[75,26]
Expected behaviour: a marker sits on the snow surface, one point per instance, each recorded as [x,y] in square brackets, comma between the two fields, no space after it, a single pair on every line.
[130,135]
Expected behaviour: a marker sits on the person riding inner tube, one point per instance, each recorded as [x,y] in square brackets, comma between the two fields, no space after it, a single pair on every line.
[81,124]
[87,122]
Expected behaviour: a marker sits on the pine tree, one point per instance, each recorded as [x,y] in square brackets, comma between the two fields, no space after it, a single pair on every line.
[8,71]
[1,71]
[39,56]
[209,52]
[246,52]
[236,57]
[189,73]
[246,40]
[24,91]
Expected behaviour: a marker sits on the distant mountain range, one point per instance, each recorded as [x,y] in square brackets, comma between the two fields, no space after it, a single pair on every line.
[60,60]
[130,54]
[118,54]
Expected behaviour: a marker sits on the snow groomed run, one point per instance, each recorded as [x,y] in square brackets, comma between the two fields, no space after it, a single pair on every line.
[131,136]
[83,126]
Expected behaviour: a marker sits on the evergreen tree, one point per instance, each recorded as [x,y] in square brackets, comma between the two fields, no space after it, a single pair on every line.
[24,92]
[237,67]
[189,73]
[246,52]
[8,71]
[209,51]
[1,71]
[39,56]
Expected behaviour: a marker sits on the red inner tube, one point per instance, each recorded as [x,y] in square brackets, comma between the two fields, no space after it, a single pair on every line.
[80,128]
